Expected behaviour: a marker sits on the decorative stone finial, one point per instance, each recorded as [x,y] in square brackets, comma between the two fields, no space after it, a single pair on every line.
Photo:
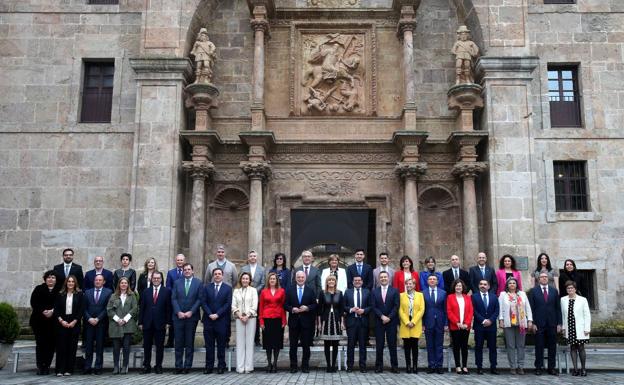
[205,55]
[466,53]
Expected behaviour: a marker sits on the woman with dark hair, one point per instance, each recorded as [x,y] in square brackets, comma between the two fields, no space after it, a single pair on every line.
[272,317]
[283,273]
[430,265]
[68,313]
[576,323]
[459,310]
[570,273]
[42,301]
[338,272]
[406,272]
[507,269]
[123,312]
[543,264]
[145,278]
[515,318]
[330,311]
[125,271]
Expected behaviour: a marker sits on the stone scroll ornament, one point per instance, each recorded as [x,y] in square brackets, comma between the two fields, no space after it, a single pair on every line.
[332,78]
[466,53]
[204,52]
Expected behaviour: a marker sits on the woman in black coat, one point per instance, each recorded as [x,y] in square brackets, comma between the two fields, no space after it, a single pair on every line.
[68,313]
[570,273]
[42,301]
[330,320]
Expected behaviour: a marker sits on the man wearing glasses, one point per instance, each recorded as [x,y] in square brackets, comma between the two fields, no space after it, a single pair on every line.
[67,268]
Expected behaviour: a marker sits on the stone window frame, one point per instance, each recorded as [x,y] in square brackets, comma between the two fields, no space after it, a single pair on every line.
[78,72]
[552,215]
[576,71]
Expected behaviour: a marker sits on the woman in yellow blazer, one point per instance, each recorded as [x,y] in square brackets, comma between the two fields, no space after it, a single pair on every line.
[411,310]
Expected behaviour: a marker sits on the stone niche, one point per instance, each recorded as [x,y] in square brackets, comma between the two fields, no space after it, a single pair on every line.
[333,69]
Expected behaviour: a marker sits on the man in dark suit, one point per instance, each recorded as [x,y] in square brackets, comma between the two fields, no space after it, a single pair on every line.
[485,305]
[98,264]
[301,306]
[482,271]
[312,273]
[360,269]
[435,324]
[217,305]
[95,324]
[357,304]
[67,268]
[546,309]
[185,300]
[455,272]
[385,303]
[154,318]
[172,276]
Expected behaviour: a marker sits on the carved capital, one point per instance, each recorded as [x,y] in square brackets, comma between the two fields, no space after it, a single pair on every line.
[469,169]
[199,169]
[256,170]
[260,25]
[411,170]
[407,22]
[259,22]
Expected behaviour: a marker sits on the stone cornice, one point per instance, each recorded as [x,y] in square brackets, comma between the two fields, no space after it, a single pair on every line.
[206,138]
[466,138]
[159,68]
[269,5]
[506,67]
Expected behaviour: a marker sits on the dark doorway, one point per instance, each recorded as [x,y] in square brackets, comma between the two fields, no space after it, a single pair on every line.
[332,231]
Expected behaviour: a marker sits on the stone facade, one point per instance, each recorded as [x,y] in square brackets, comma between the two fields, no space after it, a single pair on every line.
[442,169]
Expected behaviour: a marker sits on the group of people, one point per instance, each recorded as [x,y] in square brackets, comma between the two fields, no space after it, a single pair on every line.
[327,303]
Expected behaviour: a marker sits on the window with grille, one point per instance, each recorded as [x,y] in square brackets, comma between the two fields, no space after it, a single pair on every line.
[97,92]
[570,186]
[103,1]
[563,94]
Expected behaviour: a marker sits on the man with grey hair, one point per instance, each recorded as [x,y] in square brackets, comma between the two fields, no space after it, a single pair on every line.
[230,273]
[312,273]
[257,279]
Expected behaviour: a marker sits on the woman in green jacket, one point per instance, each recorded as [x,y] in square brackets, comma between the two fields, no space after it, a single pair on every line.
[122,314]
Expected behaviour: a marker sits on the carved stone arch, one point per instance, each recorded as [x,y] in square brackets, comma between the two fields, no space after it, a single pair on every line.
[425,197]
[231,197]
[467,15]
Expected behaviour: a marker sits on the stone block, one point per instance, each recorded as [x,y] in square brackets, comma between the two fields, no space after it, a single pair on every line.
[8,219]
[18,238]
[41,219]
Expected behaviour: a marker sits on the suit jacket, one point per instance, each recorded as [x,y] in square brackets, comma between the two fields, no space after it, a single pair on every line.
[77,306]
[423,280]
[367,276]
[75,270]
[582,316]
[303,320]
[448,277]
[313,280]
[376,272]
[172,276]
[474,276]
[435,312]
[90,277]
[481,313]
[221,305]
[349,302]
[152,315]
[258,278]
[182,302]
[96,310]
[452,311]
[399,281]
[501,280]
[545,314]
[390,308]
[418,310]
[341,280]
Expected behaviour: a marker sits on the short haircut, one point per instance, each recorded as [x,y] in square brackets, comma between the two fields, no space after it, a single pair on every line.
[510,279]
[570,283]
[157,272]
[126,255]
[217,269]
[459,280]
[360,250]
[68,249]
[430,259]
[187,264]
[49,273]
[383,253]
[384,272]
[406,258]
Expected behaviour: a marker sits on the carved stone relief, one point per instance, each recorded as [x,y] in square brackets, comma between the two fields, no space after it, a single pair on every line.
[333,3]
[335,158]
[334,188]
[333,175]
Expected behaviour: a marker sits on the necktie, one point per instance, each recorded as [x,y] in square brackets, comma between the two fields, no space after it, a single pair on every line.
[306,271]
[359,268]
[155,295]
[483,272]
[455,273]
[300,294]
[97,295]
[179,273]
[358,299]
[545,295]
[383,294]
[66,271]
[217,290]
[186,286]
[485,300]
[433,295]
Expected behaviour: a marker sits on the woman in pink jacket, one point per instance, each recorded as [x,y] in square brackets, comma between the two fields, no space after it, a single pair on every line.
[507,269]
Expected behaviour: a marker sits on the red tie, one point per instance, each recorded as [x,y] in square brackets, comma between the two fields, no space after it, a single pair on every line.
[155,295]
[545,295]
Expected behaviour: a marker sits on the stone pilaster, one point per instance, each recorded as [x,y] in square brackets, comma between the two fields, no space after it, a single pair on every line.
[260,26]
[405,32]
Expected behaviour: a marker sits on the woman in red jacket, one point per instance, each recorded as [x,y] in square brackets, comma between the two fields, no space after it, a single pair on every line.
[459,311]
[272,319]
[406,271]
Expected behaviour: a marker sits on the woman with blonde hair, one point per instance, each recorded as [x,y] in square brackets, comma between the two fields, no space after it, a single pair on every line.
[122,311]
[330,320]
[272,317]
[145,278]
[334,269]
[411,311]
[245,311]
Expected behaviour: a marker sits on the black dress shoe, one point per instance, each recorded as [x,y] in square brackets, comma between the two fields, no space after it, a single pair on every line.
[430,370]
[583,373]
[220,371]
[440,371]
[394,370]
[178,371]
[378,370]
[538,372]
[479,371]
[208,371]
[305,370]
[349,370]
[494,372]
[87,371]
[363,370]
[293,370]
[146,371]
[187,371]
[158,370]
[97,372]
[553,372]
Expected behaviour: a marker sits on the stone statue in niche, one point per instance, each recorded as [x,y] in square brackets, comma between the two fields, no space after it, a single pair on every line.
[333,79]
[466,52]
[204,52]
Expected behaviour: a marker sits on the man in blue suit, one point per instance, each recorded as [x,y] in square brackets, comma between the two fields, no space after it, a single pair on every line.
[485,305]
[482,271]
[301,307]
[360,269]
[96,324]
[385,301]
[435,324]
[217,305]
[357,304]
[172,276]
[153,320]
[98,264]
[185,300]
[546,309]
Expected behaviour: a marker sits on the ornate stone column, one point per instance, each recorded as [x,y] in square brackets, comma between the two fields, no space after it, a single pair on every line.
[200,172]
[405,32]
[260,25]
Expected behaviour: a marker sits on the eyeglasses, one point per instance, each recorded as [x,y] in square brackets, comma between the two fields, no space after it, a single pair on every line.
[68,255]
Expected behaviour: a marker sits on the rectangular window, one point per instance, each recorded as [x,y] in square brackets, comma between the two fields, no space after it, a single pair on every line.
[103,1]
[570,185]
[563,94]
[97,92]
[559,1]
